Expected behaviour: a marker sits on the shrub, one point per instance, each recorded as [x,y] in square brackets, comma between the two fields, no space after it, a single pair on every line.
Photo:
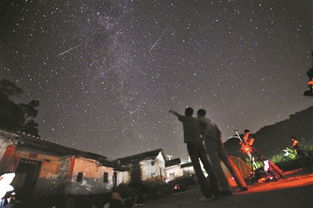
[282,158]
[144,190]
[156,189]
[306,149]
[182,182]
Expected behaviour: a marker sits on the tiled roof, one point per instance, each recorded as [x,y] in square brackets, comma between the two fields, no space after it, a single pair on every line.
[172,162]
[186,165]
[140,156]
[27,140]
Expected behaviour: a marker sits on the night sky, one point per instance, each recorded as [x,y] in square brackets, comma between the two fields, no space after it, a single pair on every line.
[106,72]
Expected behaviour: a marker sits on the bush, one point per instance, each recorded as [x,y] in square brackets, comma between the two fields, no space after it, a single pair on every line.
[306,150]
[302,160]
[181,184]
[144,190]
[278,158]
[156,189]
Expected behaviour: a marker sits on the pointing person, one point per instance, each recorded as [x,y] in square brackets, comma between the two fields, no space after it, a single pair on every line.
[197,152]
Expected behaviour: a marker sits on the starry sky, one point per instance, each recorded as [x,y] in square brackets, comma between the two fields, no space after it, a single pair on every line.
[106,72]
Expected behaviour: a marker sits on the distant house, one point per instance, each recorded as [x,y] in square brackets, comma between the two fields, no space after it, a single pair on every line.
[147,166]
[44,168]
[172,169]
[187,169]
[243,167]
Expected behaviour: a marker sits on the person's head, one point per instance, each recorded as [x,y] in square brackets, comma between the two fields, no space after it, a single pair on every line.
[247,131]
[201,112]
[292,138]
[188,111]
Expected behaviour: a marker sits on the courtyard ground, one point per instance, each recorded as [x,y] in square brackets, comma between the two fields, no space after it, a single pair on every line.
[294,190]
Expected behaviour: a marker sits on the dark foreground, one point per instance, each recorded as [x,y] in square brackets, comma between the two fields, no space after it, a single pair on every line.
[295,190]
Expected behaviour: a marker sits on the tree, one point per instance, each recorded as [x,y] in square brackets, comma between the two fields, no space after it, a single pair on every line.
[16,116]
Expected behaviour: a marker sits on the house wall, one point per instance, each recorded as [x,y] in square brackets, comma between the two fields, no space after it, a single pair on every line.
[7,150]
[53,175]
[8,161]
[57,174]
[149,170]
[187,171]
[92,177]
[4,143]
[153,169]
[122,177]
[173,172]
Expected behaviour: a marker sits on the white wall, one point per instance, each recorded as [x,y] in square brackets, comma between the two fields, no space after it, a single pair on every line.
[122,177]
[187,171]
[92,181]
[153,168]
[173,172]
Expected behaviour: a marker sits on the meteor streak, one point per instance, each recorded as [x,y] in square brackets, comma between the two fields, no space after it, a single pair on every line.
[157,41]
[70,49]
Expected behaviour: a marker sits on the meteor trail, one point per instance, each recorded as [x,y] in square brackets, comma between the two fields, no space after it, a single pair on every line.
[70,49]
[157,41]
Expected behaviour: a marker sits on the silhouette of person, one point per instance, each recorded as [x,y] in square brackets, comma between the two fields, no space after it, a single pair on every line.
[310,86]
[217,153]
[247,138]
[247,144]
[197,152]
[310,82]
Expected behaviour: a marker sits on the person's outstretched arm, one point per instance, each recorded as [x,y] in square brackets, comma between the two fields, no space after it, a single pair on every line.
[174,112]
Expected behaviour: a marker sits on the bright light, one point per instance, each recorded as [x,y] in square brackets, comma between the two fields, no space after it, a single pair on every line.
[266,165]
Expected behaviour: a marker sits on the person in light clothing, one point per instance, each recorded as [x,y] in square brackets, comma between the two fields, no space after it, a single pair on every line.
[197,152]
[217,153]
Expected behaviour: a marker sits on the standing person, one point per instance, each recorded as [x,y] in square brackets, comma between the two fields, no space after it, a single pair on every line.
[197,151]
[295,145]
[247,144]
[217,153]
[247,138]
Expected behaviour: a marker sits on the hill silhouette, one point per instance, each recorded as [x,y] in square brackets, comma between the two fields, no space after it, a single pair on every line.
[272,139]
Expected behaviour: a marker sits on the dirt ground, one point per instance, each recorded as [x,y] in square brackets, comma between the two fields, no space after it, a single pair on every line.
[293,191]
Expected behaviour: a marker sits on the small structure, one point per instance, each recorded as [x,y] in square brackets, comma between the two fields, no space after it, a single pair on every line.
[187,169]
[172,169]
[147,166]
[44,168]
[243,167]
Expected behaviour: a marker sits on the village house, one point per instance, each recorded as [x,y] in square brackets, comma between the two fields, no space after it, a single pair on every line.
[172,169]
[44,168]
[147,166]
[243,167]
[187,169]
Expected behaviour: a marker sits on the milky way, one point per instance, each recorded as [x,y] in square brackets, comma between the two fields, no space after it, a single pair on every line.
[107,72]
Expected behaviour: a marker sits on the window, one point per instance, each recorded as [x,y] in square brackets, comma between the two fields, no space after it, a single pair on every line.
[105,177]
[152,163]
[79,177]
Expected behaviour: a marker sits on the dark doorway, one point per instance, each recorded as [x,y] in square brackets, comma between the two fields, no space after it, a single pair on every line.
[136,173]
[114,179]
[26,176]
